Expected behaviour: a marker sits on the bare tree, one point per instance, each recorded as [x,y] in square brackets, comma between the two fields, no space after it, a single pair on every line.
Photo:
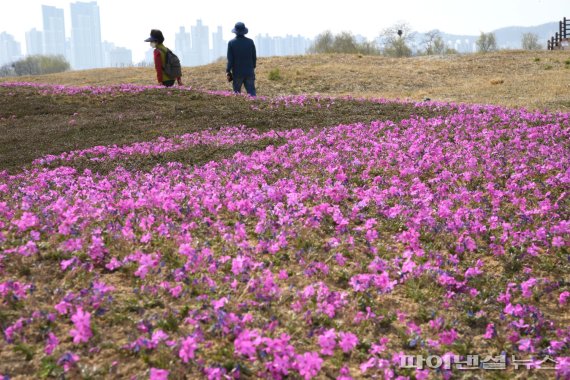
[396,40]
[530,42]
[323,43]
[433,43]
[368,48]
[345,42]
[7,71]
[486,42]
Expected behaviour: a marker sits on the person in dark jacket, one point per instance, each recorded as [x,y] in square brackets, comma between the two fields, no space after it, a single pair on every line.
[242,60]
[156,40]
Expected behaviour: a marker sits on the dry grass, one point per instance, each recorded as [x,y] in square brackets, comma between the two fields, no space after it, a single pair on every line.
[32,125]
[535,80]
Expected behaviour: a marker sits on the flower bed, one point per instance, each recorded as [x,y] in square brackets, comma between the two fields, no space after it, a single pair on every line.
[334,254]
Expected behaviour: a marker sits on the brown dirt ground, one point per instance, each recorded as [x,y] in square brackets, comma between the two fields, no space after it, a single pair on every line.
[535,80]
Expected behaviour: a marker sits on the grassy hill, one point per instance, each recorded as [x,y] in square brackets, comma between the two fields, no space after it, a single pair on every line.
[512,78]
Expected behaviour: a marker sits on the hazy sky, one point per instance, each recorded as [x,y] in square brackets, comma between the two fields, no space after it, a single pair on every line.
[128,22]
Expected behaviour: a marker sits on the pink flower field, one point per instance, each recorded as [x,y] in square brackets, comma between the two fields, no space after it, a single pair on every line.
[330,255]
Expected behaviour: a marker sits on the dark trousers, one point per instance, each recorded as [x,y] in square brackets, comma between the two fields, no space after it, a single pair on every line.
[248,82]
[168,83]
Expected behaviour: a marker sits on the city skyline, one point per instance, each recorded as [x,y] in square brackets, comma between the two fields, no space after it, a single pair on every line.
[127,22]
[83,47]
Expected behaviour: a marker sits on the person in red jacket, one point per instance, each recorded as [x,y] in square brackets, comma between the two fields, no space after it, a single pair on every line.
[156,40]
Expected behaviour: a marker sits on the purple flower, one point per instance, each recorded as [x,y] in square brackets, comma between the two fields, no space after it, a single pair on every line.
[159,374]
[51,344]
[347,341]
[82,326]
[309,364]
[490,331]
[247,342]
[448,337]
[563,298]
[327,341]
[188,349]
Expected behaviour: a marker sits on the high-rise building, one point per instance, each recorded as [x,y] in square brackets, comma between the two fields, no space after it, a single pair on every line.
[219,45]
[149,57]
[54,30]
[69,52]
[268,46]
[264,45]
[34,42]
[10,49]
[107,48]
[86,35]
[183,46]
[200,44]
[121,57]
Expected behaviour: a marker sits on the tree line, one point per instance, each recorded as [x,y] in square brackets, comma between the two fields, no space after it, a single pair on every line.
[397,41]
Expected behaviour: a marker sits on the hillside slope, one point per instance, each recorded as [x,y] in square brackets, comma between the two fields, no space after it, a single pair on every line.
[512,78]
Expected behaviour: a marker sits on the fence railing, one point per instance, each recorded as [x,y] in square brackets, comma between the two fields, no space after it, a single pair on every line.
[560,39]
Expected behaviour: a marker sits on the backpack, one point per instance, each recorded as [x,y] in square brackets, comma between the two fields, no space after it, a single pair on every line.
[172,66]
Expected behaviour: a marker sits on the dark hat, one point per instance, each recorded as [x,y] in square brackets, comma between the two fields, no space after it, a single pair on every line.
[240,29]
[155,36]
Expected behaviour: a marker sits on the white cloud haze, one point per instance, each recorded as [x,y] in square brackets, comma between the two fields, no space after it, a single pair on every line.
[126,23]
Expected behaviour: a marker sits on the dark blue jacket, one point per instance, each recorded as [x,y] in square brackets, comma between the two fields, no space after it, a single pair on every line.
[242,57]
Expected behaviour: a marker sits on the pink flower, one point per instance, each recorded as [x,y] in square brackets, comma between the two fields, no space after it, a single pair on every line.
[158,336]
[422,374]
[63,307]
[490,331]
[82,322]
[218,304]
[527,287]
[558,242]
[470,243]
[27,220]
[344,374]
[563,298]
[159,374]
[186,249]
[113,264]
[188,349]
[525,345]
[309,364]
[448,337]
[563,367]
[370,363]
[347,341]
[327,341]
[215,373]
[52,343]
[175,291]
[246,343]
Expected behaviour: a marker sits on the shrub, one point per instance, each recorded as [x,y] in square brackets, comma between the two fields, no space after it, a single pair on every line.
[36,65]
[275,74]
